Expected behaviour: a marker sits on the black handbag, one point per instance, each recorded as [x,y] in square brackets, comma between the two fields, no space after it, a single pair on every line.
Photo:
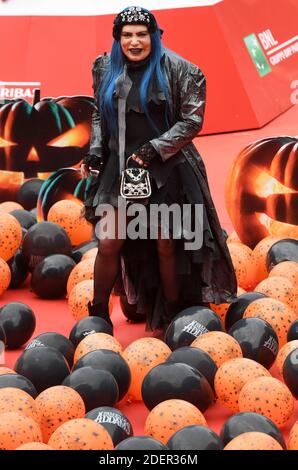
[135,183]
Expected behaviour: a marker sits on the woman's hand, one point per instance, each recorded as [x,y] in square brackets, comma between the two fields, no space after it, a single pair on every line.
[85,170]
[138,160]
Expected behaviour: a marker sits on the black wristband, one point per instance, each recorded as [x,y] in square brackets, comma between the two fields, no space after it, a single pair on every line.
[93,161]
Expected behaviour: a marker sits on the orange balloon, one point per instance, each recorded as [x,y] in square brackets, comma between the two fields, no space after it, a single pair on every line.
[260,256]
[233,238]
[169,416]
[81,434]
[14,399]
[243,262]
[293,438]
[17,429]
[6,370]
[68,214]
[83,271]
[57,405]
[221,309]
[142,355]
[5,276]
[220,346]
[96,341]
[278,314]
[10,206]
[232,376]
[34,446]
[269,397]
[288,269]
[10,236]
[281,289]
[284,352]
[90,253]
[79,297]
[253,441]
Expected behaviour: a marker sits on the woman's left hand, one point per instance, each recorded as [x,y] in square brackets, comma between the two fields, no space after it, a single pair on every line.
[137,159]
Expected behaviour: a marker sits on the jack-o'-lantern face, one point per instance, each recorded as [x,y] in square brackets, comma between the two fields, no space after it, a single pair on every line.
[262,189]
[37,140]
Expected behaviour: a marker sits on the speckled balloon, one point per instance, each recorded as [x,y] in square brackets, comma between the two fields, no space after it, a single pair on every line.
[280,288]
[10,235]
[14,399]
[288,269]
[34,446]
[68,214]
[293,437]
[243,262]
[78,299]
[260,256]
[269,397]
[284,352]
[6,370]
[169,416]
[142,355]
[220,346]
[97,341]
[90,253]
[10,206]
[253,441]
[5,276]
[81,272]
[232,376]
[17,429]
[278,314]
[81,434]
[57,405]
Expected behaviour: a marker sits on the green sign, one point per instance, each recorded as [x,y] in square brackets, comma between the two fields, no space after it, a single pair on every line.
[256,53]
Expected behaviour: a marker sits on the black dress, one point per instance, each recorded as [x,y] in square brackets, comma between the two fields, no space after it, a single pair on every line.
[173,181]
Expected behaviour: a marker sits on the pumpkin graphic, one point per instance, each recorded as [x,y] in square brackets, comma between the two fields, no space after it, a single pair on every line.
[262,190]
[37,139]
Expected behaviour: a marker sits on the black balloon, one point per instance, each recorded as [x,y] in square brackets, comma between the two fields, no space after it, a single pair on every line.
[19,270]
[293,331]
[176,380]
[195,438]
[97,387]
[87,326]
[18,381]
[130,311]
[191,323]
[25,218]
[78,252]
[34,212]
[49,277]
[2,335]
[141,443]
[196,358]
[44,239]
[28,193]
[114,421]
[110,361]
[249,421]
[283,250]
[56,341]
[290,372]
[44,366]
[257,340]
[18,321]
[237,308]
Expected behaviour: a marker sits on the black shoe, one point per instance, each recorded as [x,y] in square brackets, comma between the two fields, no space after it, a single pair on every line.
[101,311]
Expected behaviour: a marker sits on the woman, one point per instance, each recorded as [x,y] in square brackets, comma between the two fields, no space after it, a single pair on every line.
[150,105]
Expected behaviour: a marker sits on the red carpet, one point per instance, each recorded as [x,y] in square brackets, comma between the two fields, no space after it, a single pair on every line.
[218,152]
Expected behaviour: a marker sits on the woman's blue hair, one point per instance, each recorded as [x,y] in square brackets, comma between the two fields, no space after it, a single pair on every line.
[115,69]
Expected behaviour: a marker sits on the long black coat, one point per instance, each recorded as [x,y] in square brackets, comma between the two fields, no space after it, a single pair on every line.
[187,92]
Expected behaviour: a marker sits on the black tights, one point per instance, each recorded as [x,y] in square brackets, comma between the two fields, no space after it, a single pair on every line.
[107,266]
